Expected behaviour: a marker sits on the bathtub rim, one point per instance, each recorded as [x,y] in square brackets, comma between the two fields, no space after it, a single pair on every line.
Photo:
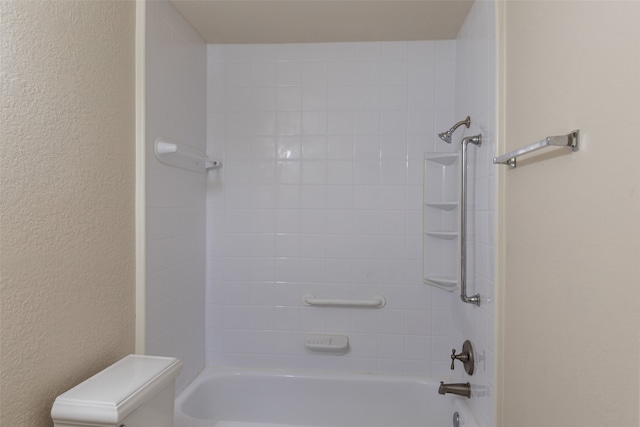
[458,404]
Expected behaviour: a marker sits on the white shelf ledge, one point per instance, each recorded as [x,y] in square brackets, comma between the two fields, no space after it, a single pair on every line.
[444,235]
[444,206]
[445,159]
[445,283]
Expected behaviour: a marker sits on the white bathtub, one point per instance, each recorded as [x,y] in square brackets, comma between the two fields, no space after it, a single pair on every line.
[252,398]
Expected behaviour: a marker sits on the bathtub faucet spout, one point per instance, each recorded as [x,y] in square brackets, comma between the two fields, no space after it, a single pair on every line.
[461,389]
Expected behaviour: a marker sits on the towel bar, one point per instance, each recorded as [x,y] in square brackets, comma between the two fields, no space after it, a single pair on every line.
[570,140]
[173,154]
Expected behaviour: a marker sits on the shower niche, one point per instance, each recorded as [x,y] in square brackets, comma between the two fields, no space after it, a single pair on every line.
[440,220]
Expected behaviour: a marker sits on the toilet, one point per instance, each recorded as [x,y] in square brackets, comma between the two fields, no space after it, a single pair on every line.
[136,391]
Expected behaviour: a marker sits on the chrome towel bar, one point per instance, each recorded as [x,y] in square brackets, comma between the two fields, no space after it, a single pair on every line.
[174,154]
[377,301]
[571,140]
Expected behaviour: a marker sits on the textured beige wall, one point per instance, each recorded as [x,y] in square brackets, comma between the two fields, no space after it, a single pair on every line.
[67,161]
[571,293]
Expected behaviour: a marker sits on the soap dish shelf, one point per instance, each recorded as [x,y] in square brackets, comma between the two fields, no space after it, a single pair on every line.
[328,344]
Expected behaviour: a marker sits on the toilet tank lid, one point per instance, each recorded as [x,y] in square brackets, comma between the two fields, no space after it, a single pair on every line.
[112,394]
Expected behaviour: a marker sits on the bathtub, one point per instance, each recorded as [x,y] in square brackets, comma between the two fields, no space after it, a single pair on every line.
[254,398]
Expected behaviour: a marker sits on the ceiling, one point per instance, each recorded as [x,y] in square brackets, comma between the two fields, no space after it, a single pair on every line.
[314,21]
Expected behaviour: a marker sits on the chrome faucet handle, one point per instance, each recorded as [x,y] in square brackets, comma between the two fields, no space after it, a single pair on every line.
[453,358]
[465,356]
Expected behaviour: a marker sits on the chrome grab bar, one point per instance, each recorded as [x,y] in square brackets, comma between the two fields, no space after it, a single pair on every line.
[377,301]
[570,140]
[475,299]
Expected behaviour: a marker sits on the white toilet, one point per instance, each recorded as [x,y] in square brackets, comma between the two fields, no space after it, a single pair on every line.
[137,391]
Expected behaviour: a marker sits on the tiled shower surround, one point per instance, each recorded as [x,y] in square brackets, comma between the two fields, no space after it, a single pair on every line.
[321,192]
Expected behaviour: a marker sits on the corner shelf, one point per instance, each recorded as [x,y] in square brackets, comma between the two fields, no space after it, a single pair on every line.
[442,282]
[445,206]
[444,235]
[444,159]
[441,214]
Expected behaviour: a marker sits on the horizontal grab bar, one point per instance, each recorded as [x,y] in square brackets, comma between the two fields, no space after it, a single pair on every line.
[377,301]
[570,140]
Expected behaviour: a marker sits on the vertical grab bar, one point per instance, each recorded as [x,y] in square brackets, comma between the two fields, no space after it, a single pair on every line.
[475,299]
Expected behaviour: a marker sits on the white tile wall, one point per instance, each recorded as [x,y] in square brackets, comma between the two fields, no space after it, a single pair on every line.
[176,109]
[321,192]
[475,96]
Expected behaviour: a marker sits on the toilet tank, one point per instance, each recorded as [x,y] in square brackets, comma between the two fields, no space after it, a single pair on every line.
[136,391]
